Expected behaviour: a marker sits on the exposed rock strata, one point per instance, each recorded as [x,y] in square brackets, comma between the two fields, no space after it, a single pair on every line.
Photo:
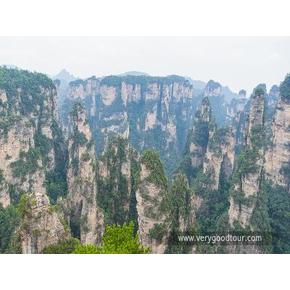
[42,224]
[27,155]
[248,177]
[278,155]
[152,204]
[86,218]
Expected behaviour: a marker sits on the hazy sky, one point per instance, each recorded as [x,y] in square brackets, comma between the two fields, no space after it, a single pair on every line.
[238,62]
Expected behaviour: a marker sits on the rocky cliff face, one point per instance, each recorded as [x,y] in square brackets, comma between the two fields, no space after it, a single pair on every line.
[214,93]
[220,156]
[224,103]
[4,191]
[18,146]
[42,224]
[273,96]
[85,217]
[115,180]
[198,139]
[248,174]
[28,140]
[152,112]
[278,155]
[210,149]
[153,204]
[212,89]
[237,105]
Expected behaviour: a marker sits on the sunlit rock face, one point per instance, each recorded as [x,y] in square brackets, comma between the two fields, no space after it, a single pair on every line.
[220,156]
[278,154]
[31,150]
[199,134]
[85,217]
[41,225]
[248,177]
[153,204]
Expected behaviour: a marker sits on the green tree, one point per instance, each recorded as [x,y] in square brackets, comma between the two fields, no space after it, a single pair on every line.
[116,240]
[279,214]
[64,247]
[285,88]
[157,175]
[9,219]
[87,249]
[181,195]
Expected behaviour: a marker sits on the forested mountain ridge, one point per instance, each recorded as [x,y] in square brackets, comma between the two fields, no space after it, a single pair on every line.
[66,182]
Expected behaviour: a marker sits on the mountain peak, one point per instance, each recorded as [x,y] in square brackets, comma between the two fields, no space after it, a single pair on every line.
[242,93]
[212,88]
[64,75]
